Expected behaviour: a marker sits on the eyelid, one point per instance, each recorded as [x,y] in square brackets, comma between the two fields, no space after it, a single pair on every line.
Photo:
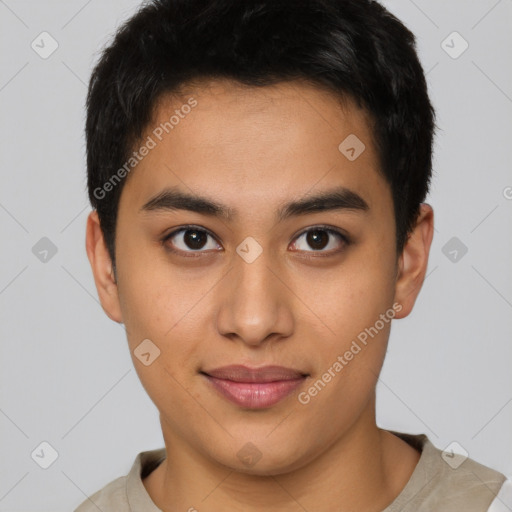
[324,227]
[187,227]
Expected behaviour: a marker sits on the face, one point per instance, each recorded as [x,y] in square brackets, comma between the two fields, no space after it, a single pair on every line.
[257,274]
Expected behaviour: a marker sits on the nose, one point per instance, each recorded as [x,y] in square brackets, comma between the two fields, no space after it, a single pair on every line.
[254,303]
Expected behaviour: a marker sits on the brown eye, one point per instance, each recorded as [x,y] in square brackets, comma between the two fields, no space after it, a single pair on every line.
[317,239]
[321,240]
[194,239]
[189,240]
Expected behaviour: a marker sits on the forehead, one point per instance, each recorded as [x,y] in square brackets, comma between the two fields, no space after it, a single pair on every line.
[225,107]
[257,144]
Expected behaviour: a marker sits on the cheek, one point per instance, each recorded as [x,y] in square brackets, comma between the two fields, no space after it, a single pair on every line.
[151,298]
[148,302]
[350,296]
[348,369]
[166,306]
[160,312]
[351,300]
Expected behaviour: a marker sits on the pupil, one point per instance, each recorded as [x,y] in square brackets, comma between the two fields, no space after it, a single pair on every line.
[317,241]
[196,239]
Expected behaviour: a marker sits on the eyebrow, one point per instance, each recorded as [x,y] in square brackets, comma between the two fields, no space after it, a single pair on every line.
[340,198]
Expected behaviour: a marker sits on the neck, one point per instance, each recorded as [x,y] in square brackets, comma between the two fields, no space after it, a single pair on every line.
[365,469]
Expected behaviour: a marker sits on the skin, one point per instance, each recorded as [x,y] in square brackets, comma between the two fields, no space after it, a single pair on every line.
[255,149]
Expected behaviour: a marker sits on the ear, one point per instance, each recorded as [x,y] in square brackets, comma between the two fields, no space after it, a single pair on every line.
[101,265]
[412,263]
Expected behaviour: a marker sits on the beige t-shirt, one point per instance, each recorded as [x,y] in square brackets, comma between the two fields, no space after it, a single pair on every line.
[434,486]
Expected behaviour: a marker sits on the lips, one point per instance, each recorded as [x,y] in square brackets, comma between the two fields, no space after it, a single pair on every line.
[254,388]
[240,373]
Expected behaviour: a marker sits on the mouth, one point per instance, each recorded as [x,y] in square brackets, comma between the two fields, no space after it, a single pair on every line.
[254,388]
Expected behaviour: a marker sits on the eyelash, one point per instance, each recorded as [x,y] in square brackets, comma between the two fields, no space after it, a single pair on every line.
[195,254]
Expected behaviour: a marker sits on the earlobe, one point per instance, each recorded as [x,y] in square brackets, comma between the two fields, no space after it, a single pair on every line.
[413,261]
[101,265]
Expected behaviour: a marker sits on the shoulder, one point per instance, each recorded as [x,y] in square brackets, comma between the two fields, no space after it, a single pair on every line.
[127,493]
[111,498]
[448,481]
[461,479]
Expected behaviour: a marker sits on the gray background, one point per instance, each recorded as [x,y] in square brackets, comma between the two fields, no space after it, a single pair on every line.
[65,372]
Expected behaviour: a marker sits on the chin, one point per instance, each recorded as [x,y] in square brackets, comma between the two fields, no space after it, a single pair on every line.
[264,458]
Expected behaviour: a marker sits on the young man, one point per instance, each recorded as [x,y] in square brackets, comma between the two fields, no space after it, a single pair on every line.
[257,170]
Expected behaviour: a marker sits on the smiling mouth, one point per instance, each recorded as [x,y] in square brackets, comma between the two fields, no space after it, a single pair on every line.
[254,388]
